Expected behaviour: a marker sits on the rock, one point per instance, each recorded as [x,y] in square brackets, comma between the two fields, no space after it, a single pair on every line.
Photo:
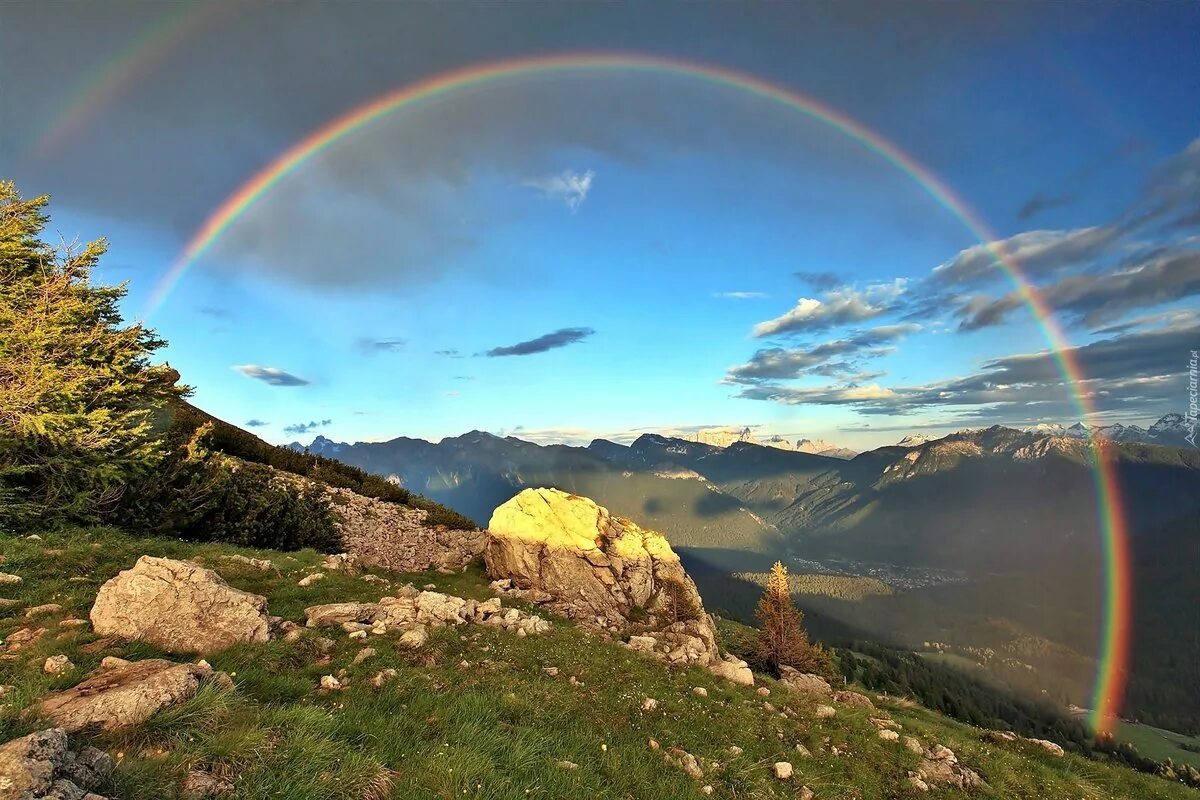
[684,761]
[340,561]
[8,603]
[358,634]
[735,751]
[309,580]
[1049,746]
[825,712]
[806,793]
[803,751]
[47,608]
[199,783]
[940,765]
[913,745]
[179,607]
[551,671]
[415,637]
[57,665]
[338,613]
[41,765]
[763,691]
[598,569]
[700,691]
[734,670]
[804,682]
[383,676]
[260,564]
[854,699]
[889,735]
[706,789]
[9,580]
[23,637]
[112,662]
[124,695]
[782,770]
[330,684]
[441,609]
[72,623]
[363,655]
[649,704]
[915,780]
[568,765]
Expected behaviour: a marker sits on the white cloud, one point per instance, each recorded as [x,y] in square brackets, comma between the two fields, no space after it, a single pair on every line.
[840,307]
[569,187]
[1037,253]
[740,295]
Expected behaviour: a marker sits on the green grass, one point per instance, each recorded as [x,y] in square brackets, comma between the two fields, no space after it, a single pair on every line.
[495,729]
[1161,744]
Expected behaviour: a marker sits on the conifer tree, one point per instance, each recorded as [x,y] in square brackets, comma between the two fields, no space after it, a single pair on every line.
[782,640]
[78,395]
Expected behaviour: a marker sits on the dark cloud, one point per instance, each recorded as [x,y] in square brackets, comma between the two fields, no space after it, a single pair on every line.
[777,363]
[820,280]
[1038,253]
[451,353]
[305,427]
[549,341]
[271,375]
[1093,300]
[1139,372]
[368,346]
[1073,183]
[1043,202]
[256,423]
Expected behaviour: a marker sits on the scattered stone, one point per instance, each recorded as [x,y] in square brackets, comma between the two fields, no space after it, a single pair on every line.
[340,561]
[382,677]
[199,783]
[9,580]
[363,655]
[685,761]
[7,603]
[782,770]
[854,699]
[763,691]
[23,637]
[825,712]
[803,751]
[706,789]
[733,669]
[568,765]
[551,671]
[179,607]
[649,704]
[735,751]
[72,622]
[1049,746]
[889,735]
[915,780]
[804,681]
[57,665]
[913,745]
[806,793]
[700,691]
[124,695]
[358,634]
[41,765]
[309,580]
[260,564]
[940,765]
[47,608]
[330,684]
[883,722]
[415,637]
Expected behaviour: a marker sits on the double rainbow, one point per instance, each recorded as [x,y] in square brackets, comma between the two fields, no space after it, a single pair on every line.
[1117,611]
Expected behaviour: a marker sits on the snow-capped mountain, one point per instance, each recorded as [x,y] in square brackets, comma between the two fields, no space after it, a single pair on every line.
[724,437]
[1171,430]
[915,440]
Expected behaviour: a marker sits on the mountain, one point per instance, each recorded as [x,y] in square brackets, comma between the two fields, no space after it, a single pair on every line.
[915,440]
[820,447]
[727,437]
[1171,430]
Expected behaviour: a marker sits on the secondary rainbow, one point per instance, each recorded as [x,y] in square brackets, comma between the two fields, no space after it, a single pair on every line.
[1117,611]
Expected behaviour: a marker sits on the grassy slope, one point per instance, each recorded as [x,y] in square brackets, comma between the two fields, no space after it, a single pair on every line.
[495,729]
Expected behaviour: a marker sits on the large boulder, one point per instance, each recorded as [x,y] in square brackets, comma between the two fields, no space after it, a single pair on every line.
[42,765]
[180,607]
[128,694]
[599,569]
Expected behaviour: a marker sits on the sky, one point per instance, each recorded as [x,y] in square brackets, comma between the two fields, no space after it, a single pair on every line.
[576,253]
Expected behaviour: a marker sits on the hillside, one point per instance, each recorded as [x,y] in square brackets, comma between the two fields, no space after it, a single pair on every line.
[476,712]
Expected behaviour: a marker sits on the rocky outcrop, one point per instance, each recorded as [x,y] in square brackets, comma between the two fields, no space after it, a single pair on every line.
[396,537]
[412,611]
[804,682]
[41,765]
[939,765]
[179,607]
[126,695]
[599,569]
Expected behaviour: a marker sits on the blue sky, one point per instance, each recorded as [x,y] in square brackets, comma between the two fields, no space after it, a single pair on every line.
[646,224]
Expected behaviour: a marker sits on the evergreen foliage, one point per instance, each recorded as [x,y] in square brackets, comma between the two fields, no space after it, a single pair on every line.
[77,391]
[782,640]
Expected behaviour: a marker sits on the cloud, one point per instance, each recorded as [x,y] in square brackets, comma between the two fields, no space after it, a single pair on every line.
[216,313]
[271,375]
[820,280]
[840,307]
[569,187]
[740,295]
[1042,202]
[367,345]
[1036,252]
[1093,300]
[550,341]
[256,423]
[777,363]
[451,353]
[305,427]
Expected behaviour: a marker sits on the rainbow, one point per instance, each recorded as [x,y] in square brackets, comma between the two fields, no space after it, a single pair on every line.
[1117,610]
[123,69]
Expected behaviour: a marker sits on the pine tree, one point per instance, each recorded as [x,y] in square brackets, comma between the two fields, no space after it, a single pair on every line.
[782,640]
[77,392]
